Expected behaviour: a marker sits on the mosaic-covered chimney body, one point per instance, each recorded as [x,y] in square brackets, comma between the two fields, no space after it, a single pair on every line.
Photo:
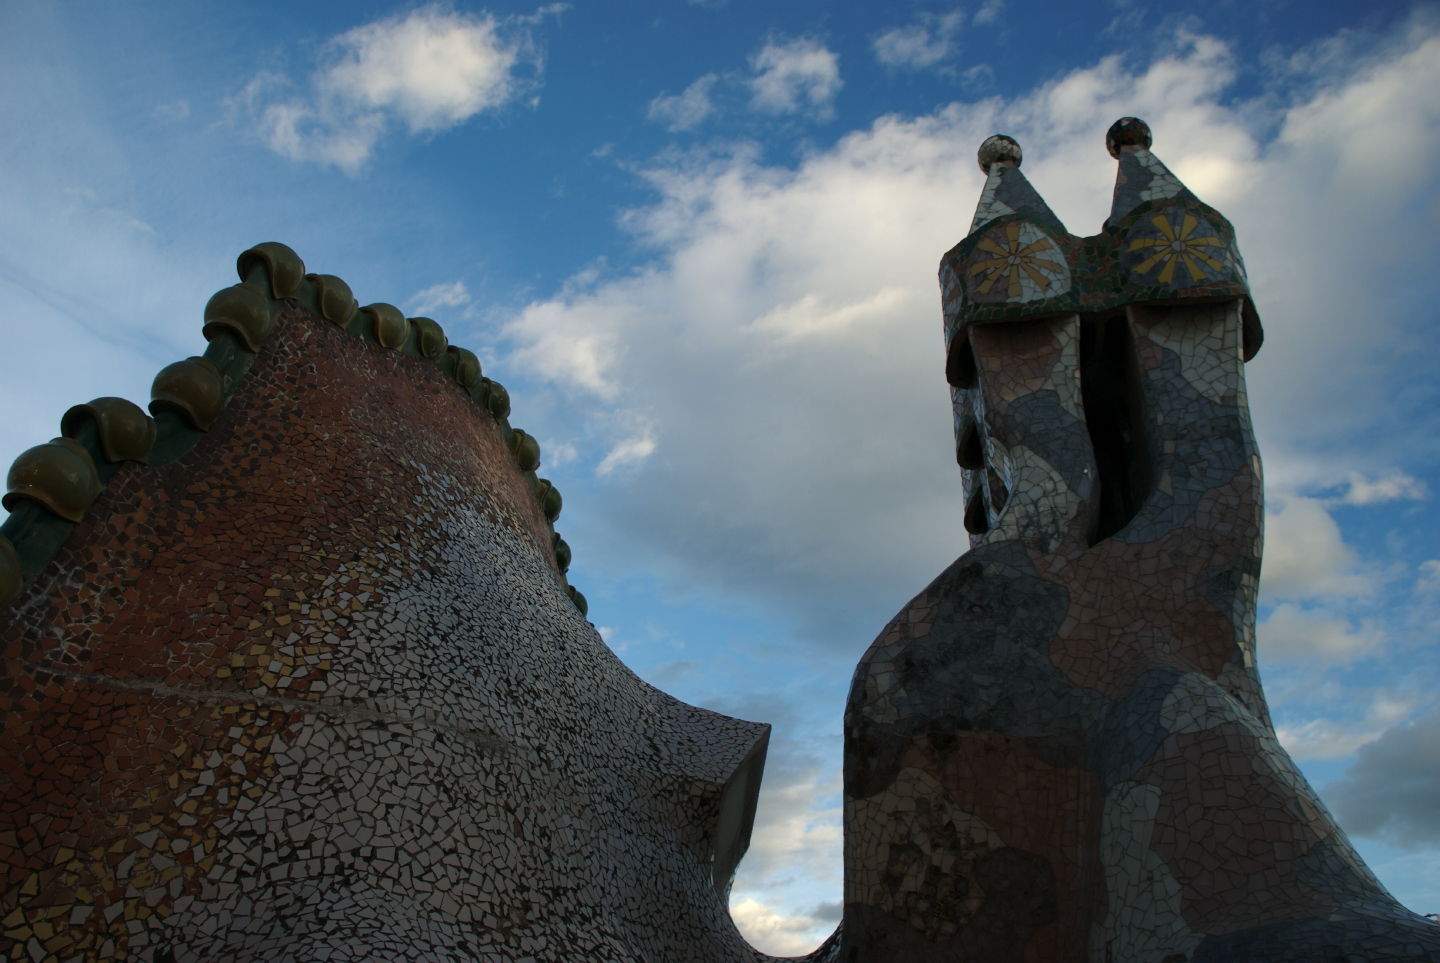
[1060,749]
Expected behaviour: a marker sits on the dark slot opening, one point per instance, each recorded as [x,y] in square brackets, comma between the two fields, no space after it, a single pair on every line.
[976,521]
[970,453]
[1110,390]
[960,366]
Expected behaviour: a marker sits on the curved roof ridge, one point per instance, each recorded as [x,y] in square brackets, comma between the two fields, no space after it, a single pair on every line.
[51,486]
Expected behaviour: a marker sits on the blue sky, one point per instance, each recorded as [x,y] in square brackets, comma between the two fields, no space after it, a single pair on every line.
[697,241]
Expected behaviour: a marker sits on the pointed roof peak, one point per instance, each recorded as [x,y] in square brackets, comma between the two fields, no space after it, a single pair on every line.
[1141,176]
[1006,189]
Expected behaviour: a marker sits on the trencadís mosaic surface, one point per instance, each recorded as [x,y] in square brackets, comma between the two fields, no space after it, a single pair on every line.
[1060,750]
[303,679]
[292,670]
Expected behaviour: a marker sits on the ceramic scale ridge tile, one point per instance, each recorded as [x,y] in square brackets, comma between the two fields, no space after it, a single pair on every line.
[294,673]
[1060,749]
[51,486]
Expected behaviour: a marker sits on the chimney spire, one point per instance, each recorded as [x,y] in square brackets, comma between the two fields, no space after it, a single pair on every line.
[1006,189]
[1141,176]
[1172,245]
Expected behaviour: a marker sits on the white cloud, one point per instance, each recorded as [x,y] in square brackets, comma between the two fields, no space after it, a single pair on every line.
[1321,739]
[772,931]
[1319,367]
[785,340]
[427,70]
[924,43]
[687,109]
[813,316]
[1428,580]
[578,349]
[300,131]
[989,11]
[1305,554]
[799,835]
[1363,109]
[451,295]
[1393,486]
[1390,791]
[631,450]
[793,866]
[1334,737]
[799,76]
[1292,634]
[432,69]
[796,77]
[557,453]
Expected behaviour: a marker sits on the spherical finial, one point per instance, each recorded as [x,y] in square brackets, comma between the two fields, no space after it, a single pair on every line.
[1127,132]
[998,147]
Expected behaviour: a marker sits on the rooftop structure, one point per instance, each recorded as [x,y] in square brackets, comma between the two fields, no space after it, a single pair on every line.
[293,671]
[1059,750]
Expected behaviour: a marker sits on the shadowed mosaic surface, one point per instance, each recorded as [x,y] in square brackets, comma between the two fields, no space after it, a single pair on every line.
[1060,749]
[317,689]
[293,671]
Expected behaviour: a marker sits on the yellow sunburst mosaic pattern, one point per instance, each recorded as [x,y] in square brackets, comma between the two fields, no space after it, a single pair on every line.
[1179,245]
[1016,264]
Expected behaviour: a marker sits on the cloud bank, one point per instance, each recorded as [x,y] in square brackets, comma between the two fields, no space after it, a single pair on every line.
[1391,789]
[783,347]
[795,79]
[926,42]
[784,342]
[424,71]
